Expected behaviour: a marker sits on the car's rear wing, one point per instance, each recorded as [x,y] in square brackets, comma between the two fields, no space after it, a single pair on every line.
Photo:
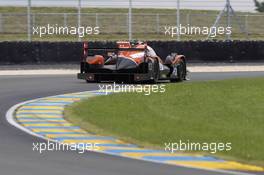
[87,51]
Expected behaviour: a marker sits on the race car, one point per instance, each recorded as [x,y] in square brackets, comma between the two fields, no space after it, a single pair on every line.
[130,62]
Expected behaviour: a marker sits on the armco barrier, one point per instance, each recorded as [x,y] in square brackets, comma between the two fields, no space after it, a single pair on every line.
[195,51]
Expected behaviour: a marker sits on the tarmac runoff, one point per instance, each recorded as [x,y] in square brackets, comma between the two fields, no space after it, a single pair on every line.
[44,118]
[54,70]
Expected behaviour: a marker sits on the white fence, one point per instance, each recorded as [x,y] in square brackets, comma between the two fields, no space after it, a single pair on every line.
[129,23]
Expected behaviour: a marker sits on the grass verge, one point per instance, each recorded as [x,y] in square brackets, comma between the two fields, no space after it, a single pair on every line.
[212,111]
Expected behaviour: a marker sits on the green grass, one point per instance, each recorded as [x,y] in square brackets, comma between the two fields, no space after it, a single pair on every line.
[102,37]
[213,111]
[94,10]
[113,23]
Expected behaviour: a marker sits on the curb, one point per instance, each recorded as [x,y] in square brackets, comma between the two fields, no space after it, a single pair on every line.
[43,118]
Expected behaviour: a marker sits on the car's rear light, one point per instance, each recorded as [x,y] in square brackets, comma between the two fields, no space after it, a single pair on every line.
[85,50]
[85,45]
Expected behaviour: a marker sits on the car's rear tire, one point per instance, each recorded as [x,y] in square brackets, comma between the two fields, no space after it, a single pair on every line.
[156,69]
[181,72]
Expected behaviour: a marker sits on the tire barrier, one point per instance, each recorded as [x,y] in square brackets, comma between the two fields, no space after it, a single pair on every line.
[210,51]
[71,52]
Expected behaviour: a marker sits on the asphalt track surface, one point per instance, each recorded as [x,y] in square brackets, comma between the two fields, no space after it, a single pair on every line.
[17,157]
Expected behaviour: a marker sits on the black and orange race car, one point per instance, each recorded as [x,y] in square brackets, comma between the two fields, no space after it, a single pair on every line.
[130,62]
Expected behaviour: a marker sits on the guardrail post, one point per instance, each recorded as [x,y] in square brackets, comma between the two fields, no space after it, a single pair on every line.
[65,16]
[246,22]
[29,21]
[1,23]
[188,19]
[96,20]
[79,16]
[130,20]
[158,23]
[33,19]
[178,20]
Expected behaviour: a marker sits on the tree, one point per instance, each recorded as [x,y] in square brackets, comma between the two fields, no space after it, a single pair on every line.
[259,6]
